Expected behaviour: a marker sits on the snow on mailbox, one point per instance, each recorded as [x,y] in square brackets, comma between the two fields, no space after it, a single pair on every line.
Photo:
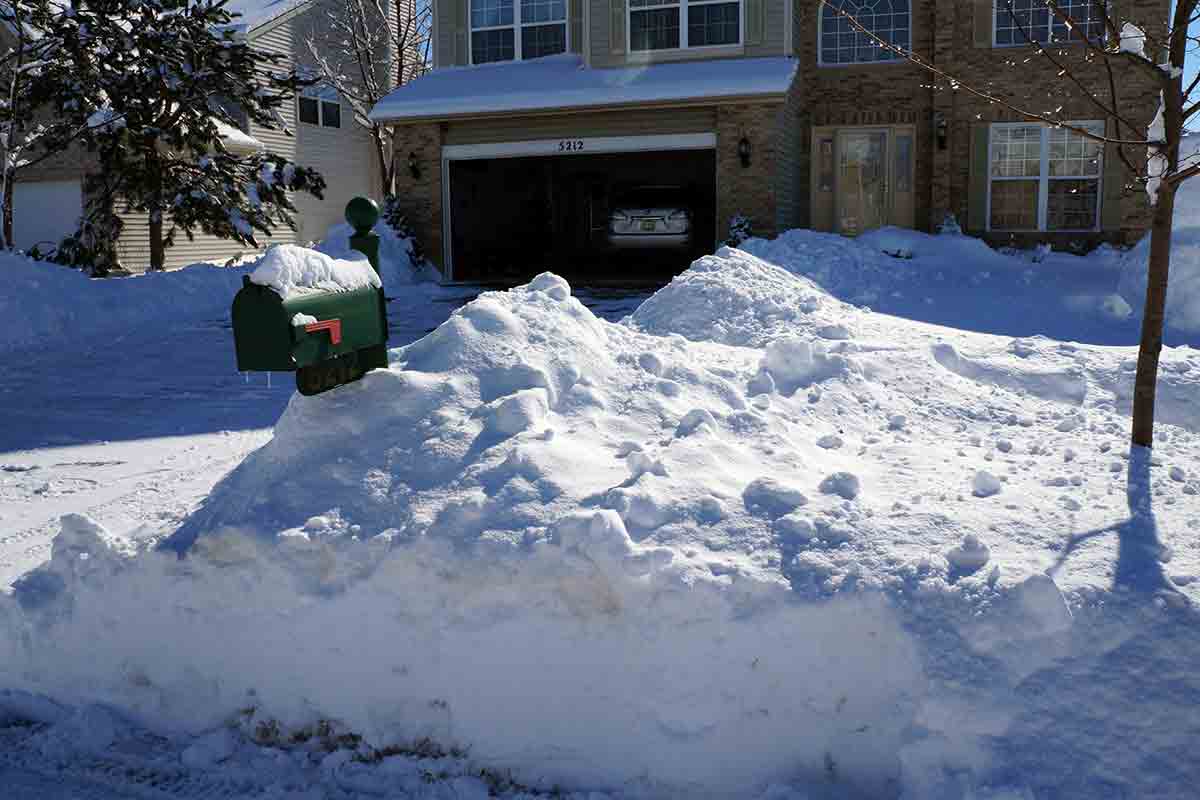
[321,317]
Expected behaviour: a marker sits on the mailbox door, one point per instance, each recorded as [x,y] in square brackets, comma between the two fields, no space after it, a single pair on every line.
[346,321]
[261,330]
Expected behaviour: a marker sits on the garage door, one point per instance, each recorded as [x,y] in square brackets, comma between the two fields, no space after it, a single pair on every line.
[45,211]
[520,208]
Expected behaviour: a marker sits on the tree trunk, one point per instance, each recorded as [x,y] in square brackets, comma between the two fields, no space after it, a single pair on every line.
[8,212]
[387,173]
[158,250]
[1146,380]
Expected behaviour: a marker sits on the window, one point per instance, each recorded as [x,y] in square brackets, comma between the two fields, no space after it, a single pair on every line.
[661,25]
[843,43]
[1022,21]
[310,110]
[331,114]
[319,105]
[1044,179]
[495,24]
[904,163]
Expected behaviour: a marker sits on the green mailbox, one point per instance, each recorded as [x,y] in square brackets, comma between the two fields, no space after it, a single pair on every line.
[328,338]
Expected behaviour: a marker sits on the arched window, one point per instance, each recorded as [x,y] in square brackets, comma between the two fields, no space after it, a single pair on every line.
[842,43]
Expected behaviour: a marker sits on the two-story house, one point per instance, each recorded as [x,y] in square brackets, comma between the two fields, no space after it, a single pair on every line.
[538,111]
[320,132]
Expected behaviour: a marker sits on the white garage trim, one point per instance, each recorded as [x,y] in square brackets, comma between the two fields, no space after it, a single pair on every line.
[584,146]
[581,146]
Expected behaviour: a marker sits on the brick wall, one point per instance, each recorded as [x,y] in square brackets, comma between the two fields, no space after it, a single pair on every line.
[752,191]
[421,197]
[864,94]
[899,92]
[1025,79]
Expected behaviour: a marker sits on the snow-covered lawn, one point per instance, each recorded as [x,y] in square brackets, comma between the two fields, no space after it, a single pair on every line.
[813,521]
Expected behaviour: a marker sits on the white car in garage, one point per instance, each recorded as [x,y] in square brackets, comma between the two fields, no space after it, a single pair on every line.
[650,217]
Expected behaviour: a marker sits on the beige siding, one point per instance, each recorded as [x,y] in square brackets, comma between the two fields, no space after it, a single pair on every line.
[279,38]
[133,249]
[450,23]
[344,156]
[612,123]
[771,42]
[575,21]
[452,30]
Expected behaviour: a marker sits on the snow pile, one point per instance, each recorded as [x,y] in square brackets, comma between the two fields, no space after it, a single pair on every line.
[769,551]
[735,298]
[888,263]
[1183,287]
[395,261]
[44,303]
[290,270]
[1133,40]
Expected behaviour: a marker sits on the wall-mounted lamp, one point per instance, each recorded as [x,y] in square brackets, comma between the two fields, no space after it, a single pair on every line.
[414,168]
[743,151]
[940,129]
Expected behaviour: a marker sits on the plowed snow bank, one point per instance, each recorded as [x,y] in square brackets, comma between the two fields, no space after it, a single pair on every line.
[817,546]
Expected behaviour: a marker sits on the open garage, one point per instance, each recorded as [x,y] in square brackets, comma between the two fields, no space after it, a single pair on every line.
[515,212]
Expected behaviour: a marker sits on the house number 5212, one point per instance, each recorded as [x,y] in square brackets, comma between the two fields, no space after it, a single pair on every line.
[570,145]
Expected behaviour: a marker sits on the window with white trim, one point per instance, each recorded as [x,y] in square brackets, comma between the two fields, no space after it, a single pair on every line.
[843,43]
[319,105]
[662,24]
[1024,21]
[507,30]
[1042,178]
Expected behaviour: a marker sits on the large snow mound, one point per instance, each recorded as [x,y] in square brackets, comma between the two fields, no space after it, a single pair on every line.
[290,270]
[817,547]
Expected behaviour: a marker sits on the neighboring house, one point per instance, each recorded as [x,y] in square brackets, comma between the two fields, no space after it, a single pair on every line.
[537,112]
[49,200]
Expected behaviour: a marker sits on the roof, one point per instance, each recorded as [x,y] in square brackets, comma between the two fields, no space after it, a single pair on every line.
[259,12]
[563,82]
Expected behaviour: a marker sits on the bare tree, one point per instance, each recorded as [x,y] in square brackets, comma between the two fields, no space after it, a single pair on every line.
[1151,153]
[365,48]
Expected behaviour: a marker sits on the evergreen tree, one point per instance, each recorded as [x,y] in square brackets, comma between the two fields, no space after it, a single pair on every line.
[157,86]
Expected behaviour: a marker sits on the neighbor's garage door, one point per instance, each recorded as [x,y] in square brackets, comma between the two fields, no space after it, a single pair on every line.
[45,211]
[514,215]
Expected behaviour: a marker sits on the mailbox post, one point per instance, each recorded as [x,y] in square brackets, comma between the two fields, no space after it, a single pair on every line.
[327,338]
[362,213]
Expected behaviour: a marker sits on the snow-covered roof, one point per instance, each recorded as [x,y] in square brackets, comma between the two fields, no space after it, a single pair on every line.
[259,12]
[564,82]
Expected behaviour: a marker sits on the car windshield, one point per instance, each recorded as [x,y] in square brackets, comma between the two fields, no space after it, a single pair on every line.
[653,197]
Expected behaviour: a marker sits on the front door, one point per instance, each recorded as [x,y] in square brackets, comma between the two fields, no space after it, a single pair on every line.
[862,186]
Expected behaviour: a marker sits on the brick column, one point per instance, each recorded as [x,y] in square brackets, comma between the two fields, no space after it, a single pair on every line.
[941,202]
[749,191]
[420,197]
